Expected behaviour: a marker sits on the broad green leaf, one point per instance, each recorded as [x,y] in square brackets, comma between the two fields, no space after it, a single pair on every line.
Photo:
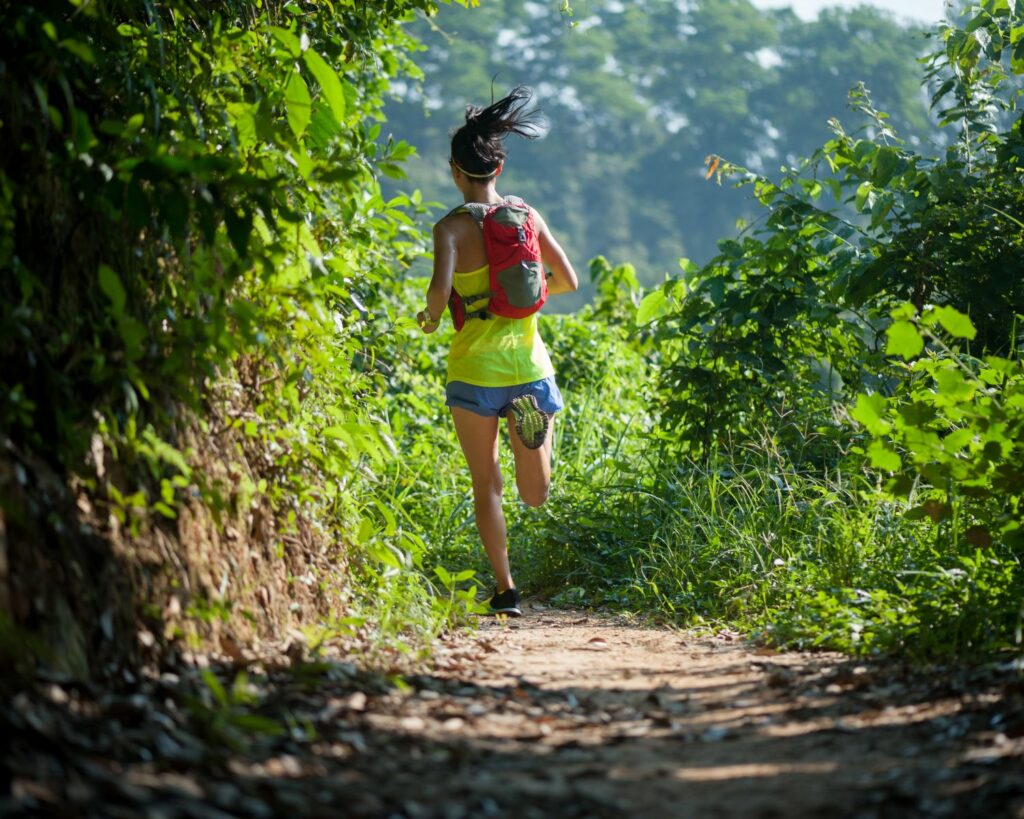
[864,196]
[110,284]
[386,555]
[287,39]
[366,531]
[329,81]
[904,340]
[885,164]
[952,384]
[688,266]
[715,289]
[957,440]
[298,103]
[652,306]
[244,116]
[869,411]
[883,458]
[955,323]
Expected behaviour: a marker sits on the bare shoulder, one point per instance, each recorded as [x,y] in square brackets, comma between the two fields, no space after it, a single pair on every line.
[454,224]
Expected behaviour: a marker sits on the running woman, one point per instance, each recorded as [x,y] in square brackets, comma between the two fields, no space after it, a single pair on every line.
[497,367]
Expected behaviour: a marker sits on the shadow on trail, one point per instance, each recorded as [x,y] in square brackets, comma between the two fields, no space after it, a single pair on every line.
[327,740]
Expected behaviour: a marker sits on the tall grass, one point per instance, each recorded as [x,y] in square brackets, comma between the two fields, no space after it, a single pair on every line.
[797,551]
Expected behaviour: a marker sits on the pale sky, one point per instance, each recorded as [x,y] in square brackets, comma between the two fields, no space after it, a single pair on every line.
[924,11]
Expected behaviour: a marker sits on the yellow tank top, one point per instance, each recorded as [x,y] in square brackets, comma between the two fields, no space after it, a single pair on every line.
[495,351]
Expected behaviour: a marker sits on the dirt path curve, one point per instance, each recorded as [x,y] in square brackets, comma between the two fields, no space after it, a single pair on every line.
[557,714]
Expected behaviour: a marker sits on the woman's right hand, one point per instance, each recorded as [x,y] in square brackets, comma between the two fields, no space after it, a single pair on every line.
[427,325]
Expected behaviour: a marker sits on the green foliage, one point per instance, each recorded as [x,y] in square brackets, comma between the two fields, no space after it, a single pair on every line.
[203,303]
[881,287]
[229,717]
[637,94]
[195,259]
[952,433]
[787,320]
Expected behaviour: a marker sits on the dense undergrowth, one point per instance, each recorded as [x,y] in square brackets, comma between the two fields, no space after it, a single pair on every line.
[817,436]
[193,275]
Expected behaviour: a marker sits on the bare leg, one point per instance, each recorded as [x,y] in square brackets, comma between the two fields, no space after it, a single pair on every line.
[533,466]
[478,436]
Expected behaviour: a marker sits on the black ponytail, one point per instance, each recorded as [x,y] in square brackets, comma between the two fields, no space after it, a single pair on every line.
[478,147]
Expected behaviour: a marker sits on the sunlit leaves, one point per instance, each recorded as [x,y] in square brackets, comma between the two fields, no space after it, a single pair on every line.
[869,411]
[298,103]
[288,39]
[330,83]
[903,340]
[955,323]
[652,305]
[956,425]
[883,457]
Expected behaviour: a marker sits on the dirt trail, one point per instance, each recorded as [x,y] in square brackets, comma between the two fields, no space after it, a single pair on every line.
[557,714]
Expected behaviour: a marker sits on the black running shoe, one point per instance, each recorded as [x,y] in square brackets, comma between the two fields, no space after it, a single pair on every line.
[530,420]
[506,603]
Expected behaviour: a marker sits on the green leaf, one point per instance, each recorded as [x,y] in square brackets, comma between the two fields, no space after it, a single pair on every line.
[652,306]
[329,81]
[955,323]
[390,522]
[215,687]
[904,340]
[864,196]
[299,104]
[111,285]
[257,724]
[287,39]
[244,116]
[952,384]
[884,458]
[869,411]
[957,440]
[366,531]
[885,164]
[133,334]
[81,50]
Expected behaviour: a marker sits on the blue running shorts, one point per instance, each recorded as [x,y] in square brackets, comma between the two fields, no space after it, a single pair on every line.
[491,401]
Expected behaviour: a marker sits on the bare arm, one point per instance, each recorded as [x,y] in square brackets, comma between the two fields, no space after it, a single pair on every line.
[441,282]
[563,278]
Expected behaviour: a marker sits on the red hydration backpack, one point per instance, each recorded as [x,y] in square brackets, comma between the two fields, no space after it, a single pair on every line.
[518,283]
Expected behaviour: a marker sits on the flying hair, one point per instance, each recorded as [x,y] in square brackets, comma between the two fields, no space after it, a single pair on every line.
[478,145]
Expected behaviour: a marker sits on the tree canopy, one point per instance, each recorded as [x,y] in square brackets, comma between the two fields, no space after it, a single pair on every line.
[638,94]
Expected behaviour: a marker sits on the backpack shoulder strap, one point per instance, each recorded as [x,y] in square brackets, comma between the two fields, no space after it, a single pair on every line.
[475,209]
